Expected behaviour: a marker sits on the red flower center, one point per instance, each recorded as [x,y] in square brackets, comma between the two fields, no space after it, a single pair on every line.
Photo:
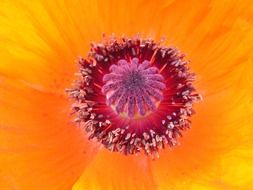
[134,95]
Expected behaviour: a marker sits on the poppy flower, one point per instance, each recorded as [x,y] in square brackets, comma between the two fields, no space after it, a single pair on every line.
[44,143]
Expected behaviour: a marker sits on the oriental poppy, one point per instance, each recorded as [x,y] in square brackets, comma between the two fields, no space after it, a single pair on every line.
[133,97]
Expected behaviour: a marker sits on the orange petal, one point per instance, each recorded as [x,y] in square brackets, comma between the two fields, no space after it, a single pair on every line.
[116,171]
[221,56]
[39,146]
[33,37]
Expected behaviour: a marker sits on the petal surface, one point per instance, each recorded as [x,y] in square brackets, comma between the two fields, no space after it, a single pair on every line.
[116,171]
[40,40]
[39,146]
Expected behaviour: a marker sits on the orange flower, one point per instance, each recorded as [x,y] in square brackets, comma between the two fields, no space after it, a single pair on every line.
[41,148]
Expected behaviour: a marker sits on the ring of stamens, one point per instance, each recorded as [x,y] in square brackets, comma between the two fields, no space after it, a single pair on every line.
[148,84]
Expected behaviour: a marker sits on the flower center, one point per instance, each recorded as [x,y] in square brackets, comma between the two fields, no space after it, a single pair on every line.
[134,95]
[133,89]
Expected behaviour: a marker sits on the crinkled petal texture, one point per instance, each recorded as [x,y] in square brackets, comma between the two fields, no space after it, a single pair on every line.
[40,147]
